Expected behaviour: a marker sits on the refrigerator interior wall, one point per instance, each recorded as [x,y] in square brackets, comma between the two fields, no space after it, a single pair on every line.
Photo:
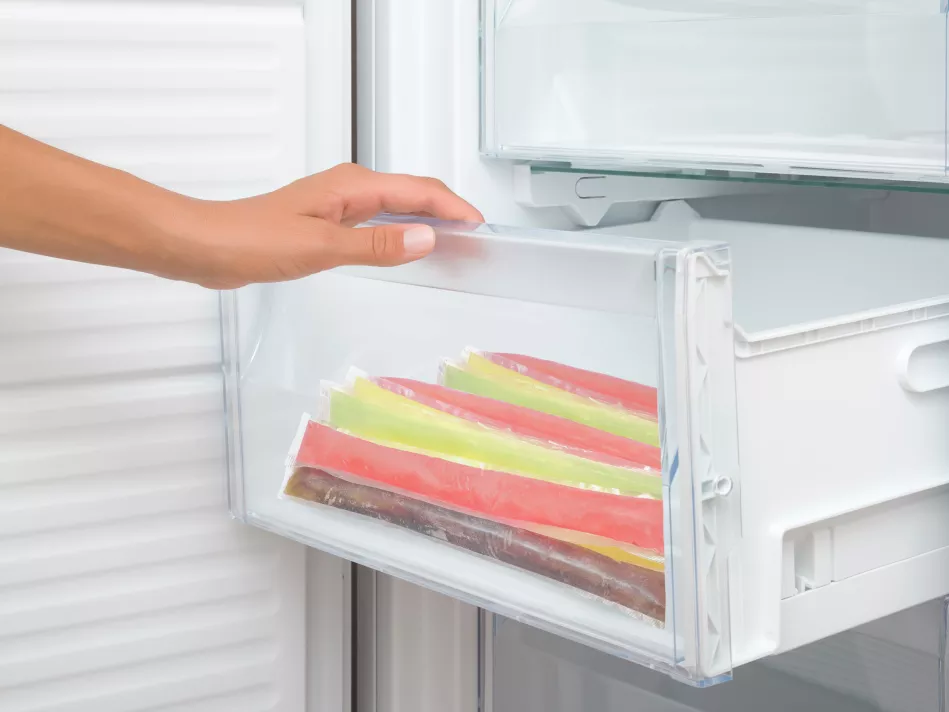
[123,584]
[893,665]
[848,88]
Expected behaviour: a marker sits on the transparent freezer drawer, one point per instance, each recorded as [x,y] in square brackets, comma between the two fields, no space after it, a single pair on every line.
[838,87]
[541,423]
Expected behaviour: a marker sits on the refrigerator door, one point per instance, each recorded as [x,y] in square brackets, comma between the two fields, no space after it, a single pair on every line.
[846,89]
[123,585]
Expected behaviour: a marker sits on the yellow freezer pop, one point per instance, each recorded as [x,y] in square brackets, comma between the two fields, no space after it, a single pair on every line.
[615,550]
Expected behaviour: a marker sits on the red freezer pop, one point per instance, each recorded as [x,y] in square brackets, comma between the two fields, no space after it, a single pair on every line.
[595,444]
[634,520]
[628,585]
[606,389]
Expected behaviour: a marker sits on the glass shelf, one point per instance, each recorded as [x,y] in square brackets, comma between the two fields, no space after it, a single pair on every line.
[826,93]
[741,176]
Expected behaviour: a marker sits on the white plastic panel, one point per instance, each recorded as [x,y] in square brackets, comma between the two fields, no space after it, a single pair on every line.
[123,585]
[588,302]
[852,88]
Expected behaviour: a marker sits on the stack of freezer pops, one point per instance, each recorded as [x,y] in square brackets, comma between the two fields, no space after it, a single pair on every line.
[543,466]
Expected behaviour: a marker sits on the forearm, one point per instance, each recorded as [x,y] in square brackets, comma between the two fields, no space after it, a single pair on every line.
[57,204]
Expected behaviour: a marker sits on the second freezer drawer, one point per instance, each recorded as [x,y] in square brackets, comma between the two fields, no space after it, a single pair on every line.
[545,424]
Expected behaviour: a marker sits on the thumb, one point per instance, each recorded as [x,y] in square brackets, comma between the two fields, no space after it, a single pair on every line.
[383,245]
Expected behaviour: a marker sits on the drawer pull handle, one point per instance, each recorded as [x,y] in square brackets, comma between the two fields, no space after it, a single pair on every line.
[925,367]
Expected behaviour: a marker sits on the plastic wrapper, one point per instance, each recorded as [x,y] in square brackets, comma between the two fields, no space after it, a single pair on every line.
[620,551]
[541,467]
[633,587]
[374,413]
[634,397]
[480,376]
[556,431]
[498,495]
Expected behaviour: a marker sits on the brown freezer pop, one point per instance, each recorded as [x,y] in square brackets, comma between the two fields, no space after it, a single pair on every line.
[630,586]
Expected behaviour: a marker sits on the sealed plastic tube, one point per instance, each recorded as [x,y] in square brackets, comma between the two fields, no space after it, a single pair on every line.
[374,413]
[558,432]
[634,397]
[479,376]
[499,495]
[633,587]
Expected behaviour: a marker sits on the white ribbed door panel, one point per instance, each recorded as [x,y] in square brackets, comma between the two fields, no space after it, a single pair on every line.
[124,586]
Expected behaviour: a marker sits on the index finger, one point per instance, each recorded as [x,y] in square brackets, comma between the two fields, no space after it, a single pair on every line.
[372,193]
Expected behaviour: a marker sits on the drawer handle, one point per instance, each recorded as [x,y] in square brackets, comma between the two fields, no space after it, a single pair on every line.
[925,367]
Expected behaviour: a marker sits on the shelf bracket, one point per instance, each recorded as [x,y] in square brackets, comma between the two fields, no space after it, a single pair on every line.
[587,196]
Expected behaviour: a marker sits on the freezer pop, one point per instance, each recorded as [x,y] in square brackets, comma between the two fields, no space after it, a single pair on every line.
[380,415]
[633,587]
[499,495]
[479,376]
[619,551]
[634,397]
[559,432]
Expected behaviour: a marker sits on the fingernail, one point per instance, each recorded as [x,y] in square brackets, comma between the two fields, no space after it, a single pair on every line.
[418,240]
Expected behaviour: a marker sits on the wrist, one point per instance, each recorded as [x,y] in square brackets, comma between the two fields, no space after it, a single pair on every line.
[194,237]
[165,233]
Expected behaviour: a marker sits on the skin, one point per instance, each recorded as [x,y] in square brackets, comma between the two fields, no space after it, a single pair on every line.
[57,204]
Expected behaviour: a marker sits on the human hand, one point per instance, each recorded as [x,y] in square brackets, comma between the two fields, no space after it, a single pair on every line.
[57,204]
[307,227]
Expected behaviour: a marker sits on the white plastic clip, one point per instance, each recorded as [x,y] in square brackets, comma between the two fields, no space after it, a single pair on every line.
[718,486]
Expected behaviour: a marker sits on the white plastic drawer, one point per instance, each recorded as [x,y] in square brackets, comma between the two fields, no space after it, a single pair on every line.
[841,88]
[842,349]
[826,385]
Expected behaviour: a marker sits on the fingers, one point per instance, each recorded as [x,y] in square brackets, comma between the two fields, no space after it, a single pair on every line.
[404,194]
[380,246]
[365,193]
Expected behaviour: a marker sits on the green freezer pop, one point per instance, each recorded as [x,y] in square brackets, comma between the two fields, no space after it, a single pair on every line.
[481,377]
